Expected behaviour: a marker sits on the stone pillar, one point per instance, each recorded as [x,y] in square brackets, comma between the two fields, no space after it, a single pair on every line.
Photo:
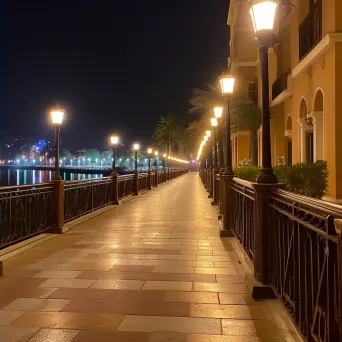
[136,184]
[59,208]
[115,188]
[226,204]
[303,127]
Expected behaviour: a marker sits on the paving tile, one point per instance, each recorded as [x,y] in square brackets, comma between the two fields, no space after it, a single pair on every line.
[197,263]
[258,328]
[58,274]
[228,311]
[217,258]
[108,294]
[111,336]
[7,317]
[16,334]
[190,297]
[219,338]
[72,283]
[173,269]
[167,337]
[226,271]
[68,320]
[35,304]
[220,287]
[55,335]
[183,325]
[129,308]
[242,299]
[235,279]
[118,284]
[168,285]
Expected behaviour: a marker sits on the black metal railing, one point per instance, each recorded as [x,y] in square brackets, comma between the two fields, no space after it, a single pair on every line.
[242,214]
[303,258]
[279,86]
[25,211]
[125,185]
[85,196]
[143,182]
[310,31]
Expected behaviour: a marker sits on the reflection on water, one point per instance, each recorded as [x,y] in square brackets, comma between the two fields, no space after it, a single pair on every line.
[23,177]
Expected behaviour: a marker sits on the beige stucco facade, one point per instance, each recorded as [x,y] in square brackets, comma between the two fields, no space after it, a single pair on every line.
[305,83]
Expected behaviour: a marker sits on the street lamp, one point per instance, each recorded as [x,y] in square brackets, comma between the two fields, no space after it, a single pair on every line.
[149,152]
[57,115]
[218,112]
[214,124]
[114,140]
[227,82]
[136,148]
[263,14]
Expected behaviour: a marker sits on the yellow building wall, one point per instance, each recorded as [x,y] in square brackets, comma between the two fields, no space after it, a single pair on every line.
[243,147]
[320,75]
[278,138]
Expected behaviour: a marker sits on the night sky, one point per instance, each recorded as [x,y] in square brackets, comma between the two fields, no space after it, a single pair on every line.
[113,65]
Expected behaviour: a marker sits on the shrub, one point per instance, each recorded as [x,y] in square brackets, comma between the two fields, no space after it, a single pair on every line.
[304,179]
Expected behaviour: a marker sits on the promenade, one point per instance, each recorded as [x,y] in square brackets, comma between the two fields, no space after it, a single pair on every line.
[151,270]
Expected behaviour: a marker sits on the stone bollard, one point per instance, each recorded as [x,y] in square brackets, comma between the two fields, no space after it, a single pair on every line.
[136,184]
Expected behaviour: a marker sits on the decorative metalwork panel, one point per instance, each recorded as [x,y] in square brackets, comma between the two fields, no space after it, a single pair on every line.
[143,182]
[242,215]
[25,211]
[83,197]
[126,185]
[304,263]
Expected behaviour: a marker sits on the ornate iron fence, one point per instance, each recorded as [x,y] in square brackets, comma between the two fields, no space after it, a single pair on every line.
[304,263]
[85,196]
[25,211]
[242,214]
[126,185]
[143,182]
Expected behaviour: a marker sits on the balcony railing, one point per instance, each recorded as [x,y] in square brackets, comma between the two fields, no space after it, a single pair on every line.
[310,31]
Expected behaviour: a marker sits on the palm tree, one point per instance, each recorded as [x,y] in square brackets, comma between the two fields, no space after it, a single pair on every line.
[168,132]
[245,114]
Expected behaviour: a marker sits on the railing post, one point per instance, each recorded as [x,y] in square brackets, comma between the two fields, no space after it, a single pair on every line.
[226,204]
[215,189]
[115,188]
[149,180]
[338,228]
[59,208]
[136,184]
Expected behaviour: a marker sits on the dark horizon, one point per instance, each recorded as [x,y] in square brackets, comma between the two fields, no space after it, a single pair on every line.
[115,67]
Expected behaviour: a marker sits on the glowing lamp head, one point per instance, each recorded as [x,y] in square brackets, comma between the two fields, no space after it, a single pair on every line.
[263,13]
[208,134]
[57,115]
[206,138]
[114,140]
[149,151]
[227,82]
[136,147]
[164,155]
[218,112]
[169,157]
[213,122]
[156,153]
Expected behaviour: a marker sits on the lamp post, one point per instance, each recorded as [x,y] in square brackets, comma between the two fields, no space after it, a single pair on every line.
[136,148]
[218,110]
[156,167]
[263,14]
[57,115]
[149,152]
[114,140]
[227,82]
[164,166]
[214,124]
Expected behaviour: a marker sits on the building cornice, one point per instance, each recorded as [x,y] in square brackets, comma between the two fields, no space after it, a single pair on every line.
[316,52]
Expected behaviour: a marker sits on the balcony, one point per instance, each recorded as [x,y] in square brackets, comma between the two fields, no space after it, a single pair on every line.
[310,31]
[281,89]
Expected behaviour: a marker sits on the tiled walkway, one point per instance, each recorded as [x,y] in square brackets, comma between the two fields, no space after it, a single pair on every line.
[151,270]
